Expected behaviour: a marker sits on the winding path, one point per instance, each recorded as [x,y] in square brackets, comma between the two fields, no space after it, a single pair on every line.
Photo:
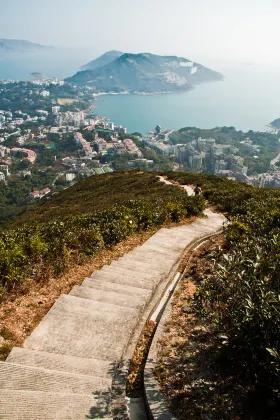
[67,368]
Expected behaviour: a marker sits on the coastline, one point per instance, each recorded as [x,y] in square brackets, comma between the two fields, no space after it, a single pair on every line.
[168,92]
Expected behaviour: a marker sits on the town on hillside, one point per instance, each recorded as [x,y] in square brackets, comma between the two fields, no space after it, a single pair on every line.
[51,137]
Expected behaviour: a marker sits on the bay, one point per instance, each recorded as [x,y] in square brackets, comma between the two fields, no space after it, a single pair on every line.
[58,62]
[248,98]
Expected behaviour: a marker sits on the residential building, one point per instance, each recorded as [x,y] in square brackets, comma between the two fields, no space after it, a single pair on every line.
[195,161]
[55,110]
[70,177]
[5,170]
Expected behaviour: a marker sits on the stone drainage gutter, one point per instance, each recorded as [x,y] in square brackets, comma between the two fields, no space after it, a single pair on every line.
[153,406]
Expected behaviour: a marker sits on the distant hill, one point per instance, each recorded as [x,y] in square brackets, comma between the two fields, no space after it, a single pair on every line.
[276,123]
[19,45]
[101,61]
[144,73]
[98,193]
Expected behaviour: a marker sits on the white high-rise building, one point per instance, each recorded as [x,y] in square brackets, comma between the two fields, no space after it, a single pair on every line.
[55,110]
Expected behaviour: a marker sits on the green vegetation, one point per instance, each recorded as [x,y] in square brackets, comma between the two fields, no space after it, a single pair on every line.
[241,297]
[95,213]
[14,194]
[26,97]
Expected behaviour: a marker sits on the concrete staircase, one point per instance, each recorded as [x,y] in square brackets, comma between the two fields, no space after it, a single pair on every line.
[66,368]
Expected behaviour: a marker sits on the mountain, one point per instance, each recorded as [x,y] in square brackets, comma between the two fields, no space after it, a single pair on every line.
[276,123]
[101,61]
[145,73]
[19,45]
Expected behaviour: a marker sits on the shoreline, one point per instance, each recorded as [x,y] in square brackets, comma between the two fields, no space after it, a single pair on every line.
[141,93]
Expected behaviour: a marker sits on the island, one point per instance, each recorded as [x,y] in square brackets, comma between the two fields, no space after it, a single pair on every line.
[142,73]
[275,124]
[20,46]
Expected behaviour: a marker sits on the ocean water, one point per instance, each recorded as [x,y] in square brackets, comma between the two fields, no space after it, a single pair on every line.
[248,98]
[59,63]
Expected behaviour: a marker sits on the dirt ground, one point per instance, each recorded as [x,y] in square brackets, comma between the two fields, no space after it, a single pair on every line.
[197,380]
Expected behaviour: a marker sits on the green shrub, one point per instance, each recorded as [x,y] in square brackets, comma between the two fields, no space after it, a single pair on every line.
[51,243]
[176,211]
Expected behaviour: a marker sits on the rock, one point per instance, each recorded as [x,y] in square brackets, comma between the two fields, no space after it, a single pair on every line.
[198,330]
[187,309]
[2,340]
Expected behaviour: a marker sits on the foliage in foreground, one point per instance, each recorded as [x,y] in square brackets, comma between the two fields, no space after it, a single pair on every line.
[242,296]
[50,244]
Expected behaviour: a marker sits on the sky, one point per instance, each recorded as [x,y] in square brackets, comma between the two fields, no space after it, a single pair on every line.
[246,30]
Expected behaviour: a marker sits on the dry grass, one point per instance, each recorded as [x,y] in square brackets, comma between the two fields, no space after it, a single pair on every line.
[194,368]
[64,101]
[21,311]
[195,385]
[134,386]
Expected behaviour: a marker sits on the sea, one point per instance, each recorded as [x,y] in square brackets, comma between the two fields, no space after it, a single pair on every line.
[248,98]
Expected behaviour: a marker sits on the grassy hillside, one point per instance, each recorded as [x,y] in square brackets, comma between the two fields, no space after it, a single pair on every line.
[99,193]
[239,296]
[94,214]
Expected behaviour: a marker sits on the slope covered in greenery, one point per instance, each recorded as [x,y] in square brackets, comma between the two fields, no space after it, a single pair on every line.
[240,296]
[95,213]
[101,192]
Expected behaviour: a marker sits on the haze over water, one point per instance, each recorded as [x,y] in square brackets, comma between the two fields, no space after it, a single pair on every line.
[248,98]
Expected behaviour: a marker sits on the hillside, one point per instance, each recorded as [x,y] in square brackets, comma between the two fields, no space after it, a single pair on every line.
[276,123]
[146,73]
[236,300]
[99,193]
[95,213]
[20,46]
[101,61]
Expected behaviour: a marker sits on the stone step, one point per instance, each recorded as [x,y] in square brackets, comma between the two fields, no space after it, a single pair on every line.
[139,266]
[169,253]
[125,272]
[154,251]
[168,243]
[36,405]
[108,297]
[135,281]
[60,362]
[181,235]
[116,287]
[27,378]
[158,262]
[84,328]
[146,267]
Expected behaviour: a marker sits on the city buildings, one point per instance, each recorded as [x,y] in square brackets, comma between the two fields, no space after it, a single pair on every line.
[31,155]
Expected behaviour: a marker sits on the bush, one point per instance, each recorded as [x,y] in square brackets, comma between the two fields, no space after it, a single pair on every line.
[53,242]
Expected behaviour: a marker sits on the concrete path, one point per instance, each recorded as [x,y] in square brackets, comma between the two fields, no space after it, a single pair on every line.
[187,188]
[66,368]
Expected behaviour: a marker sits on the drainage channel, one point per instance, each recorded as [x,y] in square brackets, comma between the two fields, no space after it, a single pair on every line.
[138,403]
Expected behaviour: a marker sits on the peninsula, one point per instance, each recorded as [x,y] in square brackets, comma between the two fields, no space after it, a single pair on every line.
[20,46]
[142,73]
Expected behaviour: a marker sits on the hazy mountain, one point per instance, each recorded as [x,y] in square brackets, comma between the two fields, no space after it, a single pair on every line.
[276,123]
[145,73]
[101,61]
[19,45]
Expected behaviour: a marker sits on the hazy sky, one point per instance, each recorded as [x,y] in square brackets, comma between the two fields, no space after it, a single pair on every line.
[239,29]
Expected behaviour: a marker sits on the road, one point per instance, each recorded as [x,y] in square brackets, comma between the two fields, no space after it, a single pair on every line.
[275,160]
